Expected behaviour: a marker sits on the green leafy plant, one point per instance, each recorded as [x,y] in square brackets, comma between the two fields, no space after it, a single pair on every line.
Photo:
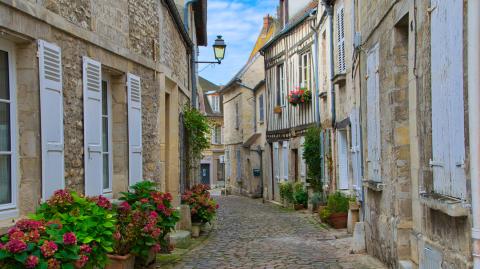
[197,128]
[317,199]
[311,155]
[202,207]
[286,191]
[40,244]
[145,196]
[90,220]
[325,214]
[338,202]
[300,195]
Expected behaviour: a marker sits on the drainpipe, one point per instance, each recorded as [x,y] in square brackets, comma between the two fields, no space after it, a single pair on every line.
[317,80]
[193,59]
[473,44]
[332,64]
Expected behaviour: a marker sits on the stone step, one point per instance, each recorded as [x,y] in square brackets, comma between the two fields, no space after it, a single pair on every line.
[180,237]
[404,264]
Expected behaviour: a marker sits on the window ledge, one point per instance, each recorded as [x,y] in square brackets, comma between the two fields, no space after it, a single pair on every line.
[323,95]
[340,79]
[7,220]
[450,206]
[373,185]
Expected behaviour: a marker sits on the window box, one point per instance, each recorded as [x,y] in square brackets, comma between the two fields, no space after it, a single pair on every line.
[445,204]
[277,110]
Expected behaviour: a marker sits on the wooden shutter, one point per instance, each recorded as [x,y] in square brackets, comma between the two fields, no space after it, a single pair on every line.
[92,127]
[285,159]
[134,129]
[356,152]
[373,115]
[448,137]
[342,149]
[276,161]
[51,108]
[341,39]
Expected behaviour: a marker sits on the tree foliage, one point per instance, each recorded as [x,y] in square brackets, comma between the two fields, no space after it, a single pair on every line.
[197,128]
[311,154]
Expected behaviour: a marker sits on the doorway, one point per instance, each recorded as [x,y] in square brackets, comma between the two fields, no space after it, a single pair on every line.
[205,170]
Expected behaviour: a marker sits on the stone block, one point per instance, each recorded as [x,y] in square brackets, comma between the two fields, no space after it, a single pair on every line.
[353,217]
[358,244]
[185,222]
[179,237]
[402,135]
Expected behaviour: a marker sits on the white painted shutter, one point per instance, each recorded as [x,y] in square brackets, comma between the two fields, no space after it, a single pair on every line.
[222,141]
[373,115]
[342,148]
[134,129]
[356,151]
[92,126]
[303,165]
[276,161]
[341,39]
[285,159]
[448,137]
[51,108]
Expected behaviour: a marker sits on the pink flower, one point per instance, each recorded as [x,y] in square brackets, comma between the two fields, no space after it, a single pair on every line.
[217,206]
[156,232]
[53,264]
[69,239]
[60,197]
[85,249]
[153,215]
[80,263]
[117,235]
[17,235]
[15,246]
[125,206]
[28,224]
[2,246]
[144,200]
[156,248]
[48,248]
[31,262]
[34,236]
[103,202]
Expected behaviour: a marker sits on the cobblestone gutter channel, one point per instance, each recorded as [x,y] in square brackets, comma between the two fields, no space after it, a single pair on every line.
[249,234]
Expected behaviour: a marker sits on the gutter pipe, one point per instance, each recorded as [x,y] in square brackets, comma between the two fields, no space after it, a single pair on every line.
[193,59]
[316,70]
[473,44]
[329,8]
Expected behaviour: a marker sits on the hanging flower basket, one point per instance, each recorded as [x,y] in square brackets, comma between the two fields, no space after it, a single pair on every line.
[299,96]
[277,110]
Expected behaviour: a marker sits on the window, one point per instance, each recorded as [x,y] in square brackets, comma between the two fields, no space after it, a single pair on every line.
[276,161]
[106,137]
[216,135]
[304,76]
[281,96]
[341,39]
[285,160]
[261,109]
[215,103]
[237,116]
[7,128]
[239,165]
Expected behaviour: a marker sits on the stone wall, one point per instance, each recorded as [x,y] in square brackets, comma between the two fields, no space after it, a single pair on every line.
[143,27]
[78,12]
[110,19]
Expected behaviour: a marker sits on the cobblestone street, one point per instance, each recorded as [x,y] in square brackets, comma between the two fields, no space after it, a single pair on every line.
[249,234]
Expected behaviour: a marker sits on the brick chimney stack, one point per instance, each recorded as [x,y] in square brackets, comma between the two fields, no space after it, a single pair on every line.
[267,21]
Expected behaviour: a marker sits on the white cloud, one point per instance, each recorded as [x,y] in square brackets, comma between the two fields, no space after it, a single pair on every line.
[239,22]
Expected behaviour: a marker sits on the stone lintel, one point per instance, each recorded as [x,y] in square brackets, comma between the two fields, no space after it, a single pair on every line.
[452,207]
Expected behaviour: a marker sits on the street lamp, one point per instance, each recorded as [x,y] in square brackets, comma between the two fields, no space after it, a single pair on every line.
[219,51]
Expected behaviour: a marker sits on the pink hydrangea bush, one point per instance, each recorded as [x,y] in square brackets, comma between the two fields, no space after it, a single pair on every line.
[202,207]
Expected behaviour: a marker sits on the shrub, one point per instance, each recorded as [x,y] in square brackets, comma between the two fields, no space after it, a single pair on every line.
[317,199]
[325,214]
[286,191]
[300,195]
[147,198]
[202,208]
[311,155]
[338,203]
[39,244]
[89,223]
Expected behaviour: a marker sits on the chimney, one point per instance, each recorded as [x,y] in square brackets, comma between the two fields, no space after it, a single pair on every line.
[267,20]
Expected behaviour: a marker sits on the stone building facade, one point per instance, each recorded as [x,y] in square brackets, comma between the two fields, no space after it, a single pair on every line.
[212,166]
[94,90]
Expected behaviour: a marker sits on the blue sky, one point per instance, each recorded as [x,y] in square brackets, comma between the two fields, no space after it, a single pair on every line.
[239,22]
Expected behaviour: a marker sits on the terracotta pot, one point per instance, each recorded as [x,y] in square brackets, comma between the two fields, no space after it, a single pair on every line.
[298,206]
[338,220]
[120,262]
[277,110]
[196,229]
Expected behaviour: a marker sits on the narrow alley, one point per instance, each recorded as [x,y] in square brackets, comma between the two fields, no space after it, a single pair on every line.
[249,234]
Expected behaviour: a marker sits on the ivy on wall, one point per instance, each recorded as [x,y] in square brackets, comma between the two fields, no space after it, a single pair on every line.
[311,155]
[197,128]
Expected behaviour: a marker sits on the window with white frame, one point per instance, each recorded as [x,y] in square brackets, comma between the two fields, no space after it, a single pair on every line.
[304,72]
[215,103]
[106,137]
[341,39]
[7,128]
[281,95]
[261,109]
[285,160]
[216,135]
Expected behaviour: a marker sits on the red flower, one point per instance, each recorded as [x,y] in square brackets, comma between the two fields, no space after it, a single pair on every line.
[31,262]
[144,200]
[60,197]
[28,224]
[103,202]
[125,206]
[53,264]
[156,248]
[48,248]
[217,206]
[85,249]
[17,235]
[69,239]
[15,246]
[80,263]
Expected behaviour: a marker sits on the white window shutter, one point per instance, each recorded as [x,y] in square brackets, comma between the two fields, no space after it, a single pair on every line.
[303,165]
[276,161]
[222,135]
[342,160]
[285,160]
[341,39]
[373,115]
[51,108]
[134,129]
[212,135]
[448,137]
[92,127]
[356,151]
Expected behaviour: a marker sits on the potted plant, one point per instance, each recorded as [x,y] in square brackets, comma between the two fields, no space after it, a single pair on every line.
[89,222]
[316,200]
[202,207]
[299,96]
[300,196]
[277,110]
[286,193]
[337,206]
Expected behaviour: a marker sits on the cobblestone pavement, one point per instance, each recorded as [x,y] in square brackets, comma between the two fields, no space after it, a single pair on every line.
[249,234]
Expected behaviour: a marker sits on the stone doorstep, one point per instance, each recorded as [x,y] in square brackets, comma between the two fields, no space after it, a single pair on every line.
[404,264]
[179,237]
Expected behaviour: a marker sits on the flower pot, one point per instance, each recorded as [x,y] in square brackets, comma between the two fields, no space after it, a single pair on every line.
[298,206]
[338,220]
[120,262]
[277,110]
[196,229]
